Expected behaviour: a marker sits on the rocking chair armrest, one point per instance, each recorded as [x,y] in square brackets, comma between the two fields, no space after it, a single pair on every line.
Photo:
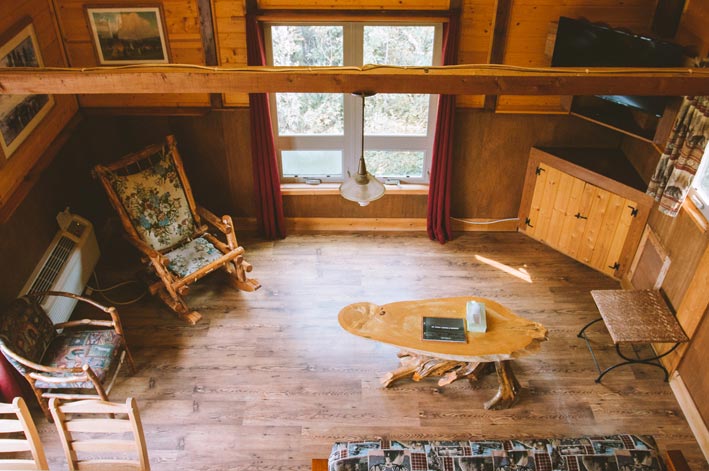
[101,307]
[212,219]
[36,366]
[84,322]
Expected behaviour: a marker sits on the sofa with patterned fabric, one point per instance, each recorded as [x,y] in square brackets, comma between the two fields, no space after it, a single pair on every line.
[593,453]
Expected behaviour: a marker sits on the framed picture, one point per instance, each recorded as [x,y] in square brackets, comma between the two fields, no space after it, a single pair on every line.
[128,35]
[20,114]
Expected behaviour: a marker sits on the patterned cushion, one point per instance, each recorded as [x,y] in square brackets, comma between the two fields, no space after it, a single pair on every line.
[192,256]
[97,348]
[156,202]
[600,453]
[26,330]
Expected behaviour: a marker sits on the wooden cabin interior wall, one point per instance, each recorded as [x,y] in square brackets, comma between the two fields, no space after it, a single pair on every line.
[491,148]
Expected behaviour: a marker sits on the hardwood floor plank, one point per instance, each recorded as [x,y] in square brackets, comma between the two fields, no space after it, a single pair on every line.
[268,380]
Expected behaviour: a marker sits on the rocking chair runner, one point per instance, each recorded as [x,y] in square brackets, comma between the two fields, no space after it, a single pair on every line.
[150,192]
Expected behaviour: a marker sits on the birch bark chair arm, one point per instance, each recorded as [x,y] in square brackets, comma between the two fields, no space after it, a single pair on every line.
[92,434]
[150,191]
[16,419]
[81,361]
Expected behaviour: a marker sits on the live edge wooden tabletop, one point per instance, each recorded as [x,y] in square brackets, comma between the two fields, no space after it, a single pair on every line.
[399,324]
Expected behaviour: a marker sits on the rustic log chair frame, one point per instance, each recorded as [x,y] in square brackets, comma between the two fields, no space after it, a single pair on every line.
[80,374]
[170,288]
[112,425]
[31,442]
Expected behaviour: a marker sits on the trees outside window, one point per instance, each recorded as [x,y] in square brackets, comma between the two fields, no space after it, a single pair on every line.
[318,135]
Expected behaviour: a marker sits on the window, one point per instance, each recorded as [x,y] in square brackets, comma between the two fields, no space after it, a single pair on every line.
[699,191]
[318,135]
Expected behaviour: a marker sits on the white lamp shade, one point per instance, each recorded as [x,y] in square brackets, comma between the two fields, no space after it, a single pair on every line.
[362,189]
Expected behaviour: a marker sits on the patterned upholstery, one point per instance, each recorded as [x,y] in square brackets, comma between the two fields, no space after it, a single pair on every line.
[156,202]
[26,330]
[97,348]
[601,453]
[192,256]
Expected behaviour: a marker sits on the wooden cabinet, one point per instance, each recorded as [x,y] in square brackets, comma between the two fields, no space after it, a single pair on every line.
[591,217]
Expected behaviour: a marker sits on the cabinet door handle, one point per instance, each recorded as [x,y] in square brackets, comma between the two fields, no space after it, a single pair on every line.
[578,216]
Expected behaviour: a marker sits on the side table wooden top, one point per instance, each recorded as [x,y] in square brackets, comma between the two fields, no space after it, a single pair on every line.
[638,316]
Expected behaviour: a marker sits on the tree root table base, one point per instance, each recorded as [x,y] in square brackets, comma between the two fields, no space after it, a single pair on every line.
[421,366]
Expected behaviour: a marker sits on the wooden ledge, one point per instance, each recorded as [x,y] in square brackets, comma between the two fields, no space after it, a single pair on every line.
[696,215]
[303,189]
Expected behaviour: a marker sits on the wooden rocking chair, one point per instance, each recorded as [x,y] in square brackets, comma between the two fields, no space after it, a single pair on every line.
[150,191]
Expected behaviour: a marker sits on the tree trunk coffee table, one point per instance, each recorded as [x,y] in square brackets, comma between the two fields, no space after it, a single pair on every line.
[508,336]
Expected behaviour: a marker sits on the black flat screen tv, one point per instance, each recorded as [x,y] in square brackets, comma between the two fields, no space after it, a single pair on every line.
[580,43]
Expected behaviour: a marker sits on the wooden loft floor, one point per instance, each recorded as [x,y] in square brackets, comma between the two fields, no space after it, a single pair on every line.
[268,380]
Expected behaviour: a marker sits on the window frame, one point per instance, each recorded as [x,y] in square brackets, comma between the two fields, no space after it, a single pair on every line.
[696,194]
[350,142]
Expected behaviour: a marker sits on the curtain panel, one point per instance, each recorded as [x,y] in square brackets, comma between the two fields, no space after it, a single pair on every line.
[439,199]
[683,153]
[267,182]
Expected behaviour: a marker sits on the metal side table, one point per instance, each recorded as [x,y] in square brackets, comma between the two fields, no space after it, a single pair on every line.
[635,317]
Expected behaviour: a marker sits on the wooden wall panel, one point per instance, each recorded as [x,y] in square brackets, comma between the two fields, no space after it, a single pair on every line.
[693,26]
[491,152]
[528,31]
[230,35]
[21,162]
[685,243]
[476,30]
[694,371]
[183,38]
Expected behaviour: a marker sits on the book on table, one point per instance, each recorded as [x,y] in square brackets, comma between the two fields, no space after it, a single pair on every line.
[444,329]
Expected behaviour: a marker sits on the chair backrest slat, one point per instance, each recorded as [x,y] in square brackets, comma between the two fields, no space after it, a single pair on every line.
[23,424]
[67,426]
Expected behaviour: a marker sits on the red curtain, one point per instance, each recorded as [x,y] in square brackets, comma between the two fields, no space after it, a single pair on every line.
[439,199]
[267,184]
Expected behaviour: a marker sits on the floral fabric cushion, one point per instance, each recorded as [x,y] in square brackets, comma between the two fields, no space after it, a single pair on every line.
[26,330]
[601,453]
[192,256]
[156,202]
[97,348]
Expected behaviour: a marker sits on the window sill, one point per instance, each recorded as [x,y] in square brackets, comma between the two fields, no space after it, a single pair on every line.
[696,215]
[303,189]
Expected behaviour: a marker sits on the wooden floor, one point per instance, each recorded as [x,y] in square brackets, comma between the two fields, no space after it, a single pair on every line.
[268,380]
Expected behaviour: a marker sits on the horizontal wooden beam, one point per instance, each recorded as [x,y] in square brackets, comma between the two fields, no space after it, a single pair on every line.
[455,80]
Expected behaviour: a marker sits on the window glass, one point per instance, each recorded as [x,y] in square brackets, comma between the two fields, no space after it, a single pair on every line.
[395,164]
[398,45]
[310,114]
[305,163]
[397,115]
[307,45]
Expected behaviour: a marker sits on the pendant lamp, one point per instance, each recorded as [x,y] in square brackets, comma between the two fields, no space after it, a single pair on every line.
[362,187]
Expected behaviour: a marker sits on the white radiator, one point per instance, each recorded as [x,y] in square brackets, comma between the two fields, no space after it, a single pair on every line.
[66,265]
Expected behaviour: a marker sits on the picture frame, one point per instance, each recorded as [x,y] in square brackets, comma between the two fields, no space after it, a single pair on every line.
[20,114]
[123,35]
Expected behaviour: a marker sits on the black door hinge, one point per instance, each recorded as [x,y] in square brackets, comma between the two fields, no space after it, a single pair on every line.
[633,211]
[527,222]
[578,216]
[615,266]
[539,171]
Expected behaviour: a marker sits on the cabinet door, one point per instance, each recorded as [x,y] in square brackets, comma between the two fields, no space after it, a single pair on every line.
[581,220]
[607,222]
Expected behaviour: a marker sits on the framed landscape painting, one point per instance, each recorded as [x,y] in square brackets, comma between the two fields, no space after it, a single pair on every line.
[128,35]
[20,114]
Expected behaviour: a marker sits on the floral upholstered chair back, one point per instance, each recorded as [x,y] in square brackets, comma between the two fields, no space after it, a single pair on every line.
[26,330]
[154,200]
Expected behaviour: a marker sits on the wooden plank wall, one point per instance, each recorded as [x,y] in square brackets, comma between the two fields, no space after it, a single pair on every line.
[183,36]
[528,31]
[14,170]
[693,26]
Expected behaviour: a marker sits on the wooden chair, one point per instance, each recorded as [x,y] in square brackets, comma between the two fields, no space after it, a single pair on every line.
[92,443]
[21,423]
[87,354]
[150,192]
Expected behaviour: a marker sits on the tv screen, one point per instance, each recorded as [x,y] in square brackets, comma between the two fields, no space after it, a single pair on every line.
[583,44]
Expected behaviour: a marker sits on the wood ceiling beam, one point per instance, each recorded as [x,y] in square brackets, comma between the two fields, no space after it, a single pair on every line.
[454,80]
